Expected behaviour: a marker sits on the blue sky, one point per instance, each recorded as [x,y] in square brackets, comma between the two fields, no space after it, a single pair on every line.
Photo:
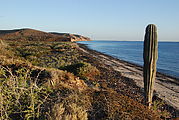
[97,19]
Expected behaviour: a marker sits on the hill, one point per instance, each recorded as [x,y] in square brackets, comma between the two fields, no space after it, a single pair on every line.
[36,35]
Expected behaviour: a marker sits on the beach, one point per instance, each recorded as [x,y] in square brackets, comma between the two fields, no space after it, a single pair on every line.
[131,76]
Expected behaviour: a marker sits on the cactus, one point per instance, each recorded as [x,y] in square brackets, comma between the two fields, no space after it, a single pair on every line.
[150,56]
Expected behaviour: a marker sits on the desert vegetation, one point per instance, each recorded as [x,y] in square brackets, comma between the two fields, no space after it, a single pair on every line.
[57,81]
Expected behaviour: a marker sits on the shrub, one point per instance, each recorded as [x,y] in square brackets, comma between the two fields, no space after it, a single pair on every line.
[24,93]
[4,49]
[20,96]
[110,105]
[83,70]
[72,107]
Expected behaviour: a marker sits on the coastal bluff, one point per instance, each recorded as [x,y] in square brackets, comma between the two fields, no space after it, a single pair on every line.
[36,35]
[72,37]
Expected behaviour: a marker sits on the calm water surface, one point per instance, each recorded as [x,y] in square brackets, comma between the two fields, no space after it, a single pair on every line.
[132,51]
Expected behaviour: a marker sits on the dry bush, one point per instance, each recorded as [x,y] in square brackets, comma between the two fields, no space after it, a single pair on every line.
[69,112]
[61,79]
[71,105]
[111,105]
[4,49]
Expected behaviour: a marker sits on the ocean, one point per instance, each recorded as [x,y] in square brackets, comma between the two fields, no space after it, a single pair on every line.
[132,51]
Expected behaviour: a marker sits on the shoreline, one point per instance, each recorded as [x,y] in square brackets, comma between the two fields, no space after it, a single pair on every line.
[166,86]
[133,64]
[137,65]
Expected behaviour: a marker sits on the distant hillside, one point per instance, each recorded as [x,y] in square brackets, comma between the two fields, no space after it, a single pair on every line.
[35,35]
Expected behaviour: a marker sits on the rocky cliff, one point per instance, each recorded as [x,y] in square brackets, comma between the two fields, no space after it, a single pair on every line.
[72,37]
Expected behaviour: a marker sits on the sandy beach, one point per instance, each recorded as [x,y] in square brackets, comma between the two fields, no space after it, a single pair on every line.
[166,87]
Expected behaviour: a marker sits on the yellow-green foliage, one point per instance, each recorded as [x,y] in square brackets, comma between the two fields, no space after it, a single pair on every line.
[46,54]
[20,95]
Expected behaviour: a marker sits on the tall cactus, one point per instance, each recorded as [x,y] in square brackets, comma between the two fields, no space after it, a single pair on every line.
[150,56]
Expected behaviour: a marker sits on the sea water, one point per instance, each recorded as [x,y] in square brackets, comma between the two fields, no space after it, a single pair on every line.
[132,51]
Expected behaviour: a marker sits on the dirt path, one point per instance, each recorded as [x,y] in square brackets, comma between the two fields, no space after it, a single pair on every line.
[166,88]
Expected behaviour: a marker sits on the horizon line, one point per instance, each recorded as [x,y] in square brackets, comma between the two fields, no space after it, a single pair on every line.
[135,40]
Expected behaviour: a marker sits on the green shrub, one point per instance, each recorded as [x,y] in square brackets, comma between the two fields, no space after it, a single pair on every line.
[83,70]
[20,96]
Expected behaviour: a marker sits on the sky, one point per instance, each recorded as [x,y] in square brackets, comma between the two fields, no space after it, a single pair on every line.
[97,19]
